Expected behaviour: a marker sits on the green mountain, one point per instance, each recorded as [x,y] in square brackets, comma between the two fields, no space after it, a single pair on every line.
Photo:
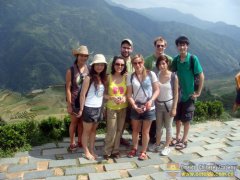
[37,37]
[162,14]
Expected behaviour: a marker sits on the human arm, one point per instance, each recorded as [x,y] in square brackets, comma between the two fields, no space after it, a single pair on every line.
[82,98]
[175,98]
[68,91]
[156,91]
[199,90]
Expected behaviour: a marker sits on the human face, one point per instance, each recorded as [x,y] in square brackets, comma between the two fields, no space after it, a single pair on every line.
[99,67]
[163,66]
[119,65]
[138,64]
[82,58]
[160,47]
[182,48]
[126,50]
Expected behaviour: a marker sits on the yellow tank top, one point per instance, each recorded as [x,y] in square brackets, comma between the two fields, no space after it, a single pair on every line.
[117,90]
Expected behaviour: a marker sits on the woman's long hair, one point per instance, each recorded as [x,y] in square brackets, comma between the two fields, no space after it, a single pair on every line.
[115,58]
[144,72]
[95,78]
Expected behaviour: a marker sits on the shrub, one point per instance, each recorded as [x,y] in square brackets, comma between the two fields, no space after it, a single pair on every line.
[18,135]
[52,128]
[208,110]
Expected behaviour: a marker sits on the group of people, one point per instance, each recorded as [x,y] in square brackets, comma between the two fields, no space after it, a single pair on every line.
[133,90]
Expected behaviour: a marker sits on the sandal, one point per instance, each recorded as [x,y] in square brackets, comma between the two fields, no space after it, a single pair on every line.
[132,153]
[143,156]
[181,145]
[72,148]
[90,157]
[174,142]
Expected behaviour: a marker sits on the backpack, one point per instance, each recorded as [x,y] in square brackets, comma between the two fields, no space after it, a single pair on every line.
[196,76]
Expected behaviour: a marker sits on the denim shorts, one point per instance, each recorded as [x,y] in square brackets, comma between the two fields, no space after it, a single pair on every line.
[147,115]
[91,115]
[185,110]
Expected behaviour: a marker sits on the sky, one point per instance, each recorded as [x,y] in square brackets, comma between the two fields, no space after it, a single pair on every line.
[227,11]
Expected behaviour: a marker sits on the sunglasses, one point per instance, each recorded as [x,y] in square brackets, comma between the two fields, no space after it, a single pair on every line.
[137,63]
[83,55]
[159,45]
[118,64]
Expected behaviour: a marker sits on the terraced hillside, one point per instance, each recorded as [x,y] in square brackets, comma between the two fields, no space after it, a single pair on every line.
[37,105]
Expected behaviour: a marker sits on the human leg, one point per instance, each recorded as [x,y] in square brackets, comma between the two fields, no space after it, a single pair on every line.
[72,131]
[136,124]
[121,115]
[92,139]
[80,131]
[87,127]
[111,131]
[145,134]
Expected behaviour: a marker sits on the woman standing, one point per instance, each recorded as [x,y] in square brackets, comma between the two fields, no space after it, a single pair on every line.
[91,99]
[166,104]
[142,90]
[116,106]
[74,78]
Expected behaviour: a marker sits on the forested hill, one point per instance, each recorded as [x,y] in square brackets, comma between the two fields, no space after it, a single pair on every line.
[37,37]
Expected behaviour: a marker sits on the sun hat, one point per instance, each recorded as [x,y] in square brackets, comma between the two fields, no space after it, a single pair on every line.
[98,58]
[80,50]
[129,41]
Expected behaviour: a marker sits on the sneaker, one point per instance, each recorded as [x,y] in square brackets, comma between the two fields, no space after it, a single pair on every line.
[155,148]
[166,151]
[72,147]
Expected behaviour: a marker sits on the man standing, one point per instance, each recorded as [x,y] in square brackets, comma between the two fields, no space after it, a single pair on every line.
[160,44]
[187,67]
[126,50]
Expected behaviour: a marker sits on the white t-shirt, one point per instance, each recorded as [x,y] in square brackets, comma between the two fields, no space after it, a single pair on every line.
[138,93]
[95,96]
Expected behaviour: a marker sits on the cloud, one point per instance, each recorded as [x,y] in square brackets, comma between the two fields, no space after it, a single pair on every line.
[211,10]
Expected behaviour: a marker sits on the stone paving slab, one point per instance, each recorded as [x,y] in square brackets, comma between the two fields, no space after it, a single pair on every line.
[143,171]
[62,163]
[105,175]
[80,170]
[212,152]
[164,175]
[9,160]
[71,155]
[62,178]
[126,159]
[192,149]
[149,162]
[228,156]
[38,174]
[232,149]
[136,178]
[215,146]
[237,138]
[118,166]
[84,161]
[26,167]
[206,159]
[233,143]
[54,151]
[41,158]
[3,176]
[183,158]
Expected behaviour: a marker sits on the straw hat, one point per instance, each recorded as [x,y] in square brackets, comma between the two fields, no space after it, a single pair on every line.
[98,58]
[80,50]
